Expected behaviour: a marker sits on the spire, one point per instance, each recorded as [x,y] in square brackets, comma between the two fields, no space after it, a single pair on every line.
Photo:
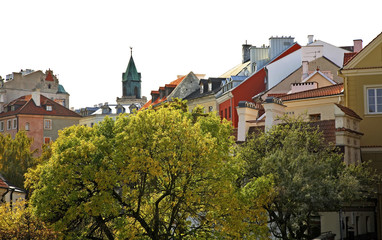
[131,73]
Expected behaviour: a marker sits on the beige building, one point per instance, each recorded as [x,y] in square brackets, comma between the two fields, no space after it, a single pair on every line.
[25,82]
[205,95]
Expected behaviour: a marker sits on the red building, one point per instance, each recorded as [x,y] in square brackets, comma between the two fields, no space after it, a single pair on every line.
[245,90]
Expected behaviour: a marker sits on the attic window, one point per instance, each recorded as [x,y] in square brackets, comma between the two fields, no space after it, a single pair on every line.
[210,86]
[201,88]
[49,86]
[49,108]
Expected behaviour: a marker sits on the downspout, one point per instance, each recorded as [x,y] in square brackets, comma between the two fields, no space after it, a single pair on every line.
[340,219]
[11,197]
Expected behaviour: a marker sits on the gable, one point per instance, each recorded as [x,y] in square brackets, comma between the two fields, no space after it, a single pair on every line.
[369,57]
[321,80]
[187,86]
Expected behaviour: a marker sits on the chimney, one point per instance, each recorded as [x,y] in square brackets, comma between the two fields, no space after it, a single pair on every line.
[274,108]
[246,111]
[357,45]
[36,97]
[246,51]
[310,39]
[305,70]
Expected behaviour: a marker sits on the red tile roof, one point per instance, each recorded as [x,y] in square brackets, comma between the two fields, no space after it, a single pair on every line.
[3,184]
[348,57]
[348,111]
[49,76]
[319,92]
[172,84]
[26,105]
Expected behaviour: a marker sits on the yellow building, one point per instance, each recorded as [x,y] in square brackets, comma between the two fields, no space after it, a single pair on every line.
[363,93]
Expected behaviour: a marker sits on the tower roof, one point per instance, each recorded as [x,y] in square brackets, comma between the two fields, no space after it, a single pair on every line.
[131,73]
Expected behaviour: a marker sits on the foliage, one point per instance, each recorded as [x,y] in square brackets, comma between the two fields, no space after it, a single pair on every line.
[16,157]
[18,223]
[309,175]
[157,174]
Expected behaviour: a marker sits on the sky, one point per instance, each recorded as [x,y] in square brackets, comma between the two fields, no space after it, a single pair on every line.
[87,43]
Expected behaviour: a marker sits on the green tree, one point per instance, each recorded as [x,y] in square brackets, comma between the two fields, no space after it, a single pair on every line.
[19,223]
[16,157]
[309,175]
[157,174]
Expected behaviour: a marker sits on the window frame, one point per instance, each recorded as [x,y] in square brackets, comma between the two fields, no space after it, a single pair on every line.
[47,138]
[1,126]
[50,124]
[14,123]
[9,124]
[366,99]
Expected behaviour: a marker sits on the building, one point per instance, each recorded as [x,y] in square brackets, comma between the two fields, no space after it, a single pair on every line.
[180,88]
[39,116]
[362,74]
[242,88]
[205,95]
[131,85]
[130,101]
[25,82]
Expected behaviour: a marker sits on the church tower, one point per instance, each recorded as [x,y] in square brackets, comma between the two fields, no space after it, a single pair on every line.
[131,84]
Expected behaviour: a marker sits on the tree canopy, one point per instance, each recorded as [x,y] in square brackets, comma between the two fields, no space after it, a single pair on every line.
[158,174]
[309,175]
[16,157]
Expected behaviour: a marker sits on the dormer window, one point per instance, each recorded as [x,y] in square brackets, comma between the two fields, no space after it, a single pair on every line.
[210,86]
[49,108]
[201,88]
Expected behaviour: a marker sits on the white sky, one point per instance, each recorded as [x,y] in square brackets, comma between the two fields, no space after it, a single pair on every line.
[86,43]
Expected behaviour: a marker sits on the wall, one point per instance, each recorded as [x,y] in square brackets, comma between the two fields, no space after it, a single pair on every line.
[205,102]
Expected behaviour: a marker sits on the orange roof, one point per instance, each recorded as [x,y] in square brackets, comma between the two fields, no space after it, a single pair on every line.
[319,92]
[159,100]
[49,76]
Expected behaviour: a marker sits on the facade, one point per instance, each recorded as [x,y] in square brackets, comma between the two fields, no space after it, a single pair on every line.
[205,95]
[23,83]
[362,76]
[39,116]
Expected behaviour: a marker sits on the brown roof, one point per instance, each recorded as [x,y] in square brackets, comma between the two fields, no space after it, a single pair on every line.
[348,111]
[328,129]
[26,105]
[348,57]
[3,184]
[319,92]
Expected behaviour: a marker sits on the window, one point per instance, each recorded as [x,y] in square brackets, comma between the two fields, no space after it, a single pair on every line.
[27,126]
[201,88]
[374,100]
[221,114]
[315,117]
[14,123]
[225,113]
[230,112]
[210,108]
[9,124]
[47,140]
[49,108]
[210,86]
[2,126]
[48,124]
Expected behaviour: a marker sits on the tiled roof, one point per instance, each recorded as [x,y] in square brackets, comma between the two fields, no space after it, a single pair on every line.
[319,92]
[348,111]
[159,100]
[26,105]
[3,184]
[328,129]
[49,76]
[348,57]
